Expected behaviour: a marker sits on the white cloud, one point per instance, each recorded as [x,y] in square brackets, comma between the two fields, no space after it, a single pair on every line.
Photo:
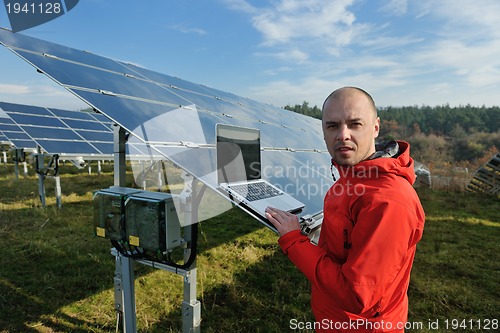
[478,64]
[277,71]
[186,30]
[294,55]
[240,5]
[291,20]
[40,95]
[14,89]
[282,92]
[395,7]
[470,20]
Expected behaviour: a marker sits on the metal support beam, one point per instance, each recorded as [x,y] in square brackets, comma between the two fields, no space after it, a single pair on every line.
[40,171]
[159,182]
[120,166]
[124,272]
[58,191]
[19,156]
[191,307]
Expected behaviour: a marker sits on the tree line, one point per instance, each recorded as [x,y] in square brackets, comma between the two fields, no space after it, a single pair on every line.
[439,135]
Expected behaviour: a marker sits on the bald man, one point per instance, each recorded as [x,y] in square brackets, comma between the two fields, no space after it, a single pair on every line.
[373,220]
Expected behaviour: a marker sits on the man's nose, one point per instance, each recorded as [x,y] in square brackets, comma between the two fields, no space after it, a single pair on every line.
[344,134]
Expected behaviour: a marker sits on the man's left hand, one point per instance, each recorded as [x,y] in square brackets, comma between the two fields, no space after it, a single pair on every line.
[283,221]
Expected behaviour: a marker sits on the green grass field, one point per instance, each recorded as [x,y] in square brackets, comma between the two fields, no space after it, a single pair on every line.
[56,276]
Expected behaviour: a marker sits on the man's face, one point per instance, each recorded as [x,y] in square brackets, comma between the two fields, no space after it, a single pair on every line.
[350,127]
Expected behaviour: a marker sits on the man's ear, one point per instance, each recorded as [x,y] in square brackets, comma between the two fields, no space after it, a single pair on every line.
[377,127]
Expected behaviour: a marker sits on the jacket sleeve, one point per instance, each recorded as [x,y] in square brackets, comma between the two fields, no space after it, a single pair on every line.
[381,238]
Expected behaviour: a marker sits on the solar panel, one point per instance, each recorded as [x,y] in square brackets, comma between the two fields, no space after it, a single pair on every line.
[61,131]
[177,118]
[15,135]
[487,178]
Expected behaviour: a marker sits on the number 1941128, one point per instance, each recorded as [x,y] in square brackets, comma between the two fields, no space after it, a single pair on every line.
[33,8]
[469,324]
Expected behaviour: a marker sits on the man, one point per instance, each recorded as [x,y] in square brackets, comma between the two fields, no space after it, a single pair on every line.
[373,219]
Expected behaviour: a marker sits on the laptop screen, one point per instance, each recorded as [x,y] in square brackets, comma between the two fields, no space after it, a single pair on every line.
[238,154]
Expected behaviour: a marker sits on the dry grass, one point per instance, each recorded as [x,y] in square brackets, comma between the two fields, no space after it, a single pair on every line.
[56,276]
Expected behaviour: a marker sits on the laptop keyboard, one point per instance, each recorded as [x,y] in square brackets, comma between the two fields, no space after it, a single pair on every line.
[255,191]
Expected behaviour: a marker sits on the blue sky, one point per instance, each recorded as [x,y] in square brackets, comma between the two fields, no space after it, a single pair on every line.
[425,52]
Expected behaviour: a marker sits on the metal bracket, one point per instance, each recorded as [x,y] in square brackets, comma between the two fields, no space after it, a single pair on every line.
[311,227]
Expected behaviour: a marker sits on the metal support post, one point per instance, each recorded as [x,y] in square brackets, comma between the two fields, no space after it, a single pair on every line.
[4,157]
[16,168]
[144,185]
[58,191]
[54,163]
[25,167]
[118,288]
[18,157]
[40,171]
[119,156]
[191,307]
[124,277]
[159,177]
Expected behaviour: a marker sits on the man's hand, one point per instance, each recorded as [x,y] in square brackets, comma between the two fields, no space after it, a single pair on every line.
[283,221]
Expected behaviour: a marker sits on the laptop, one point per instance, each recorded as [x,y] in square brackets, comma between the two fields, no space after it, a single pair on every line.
[239,172]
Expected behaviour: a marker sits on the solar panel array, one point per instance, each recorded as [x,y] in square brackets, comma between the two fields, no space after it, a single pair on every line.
[487,178]
[177,118]
[61,131]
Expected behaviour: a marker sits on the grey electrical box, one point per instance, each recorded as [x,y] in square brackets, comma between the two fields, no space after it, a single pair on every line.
[109,206]
[144,219]
[152,221]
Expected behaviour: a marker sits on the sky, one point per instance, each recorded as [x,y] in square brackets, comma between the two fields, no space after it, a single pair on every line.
[283,52]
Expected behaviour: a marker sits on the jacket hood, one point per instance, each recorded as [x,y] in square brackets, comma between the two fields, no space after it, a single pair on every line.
[391,157]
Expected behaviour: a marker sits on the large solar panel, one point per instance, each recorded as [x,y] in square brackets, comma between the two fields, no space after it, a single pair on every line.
[14,134]
[62,131]
[177,118]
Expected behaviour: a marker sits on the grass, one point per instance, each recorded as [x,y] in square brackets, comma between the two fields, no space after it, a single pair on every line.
[56,276]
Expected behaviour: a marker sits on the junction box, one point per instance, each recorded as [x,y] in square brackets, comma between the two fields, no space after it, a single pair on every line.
[144,219]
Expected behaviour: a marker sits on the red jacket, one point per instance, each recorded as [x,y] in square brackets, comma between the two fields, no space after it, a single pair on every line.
[360,270]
